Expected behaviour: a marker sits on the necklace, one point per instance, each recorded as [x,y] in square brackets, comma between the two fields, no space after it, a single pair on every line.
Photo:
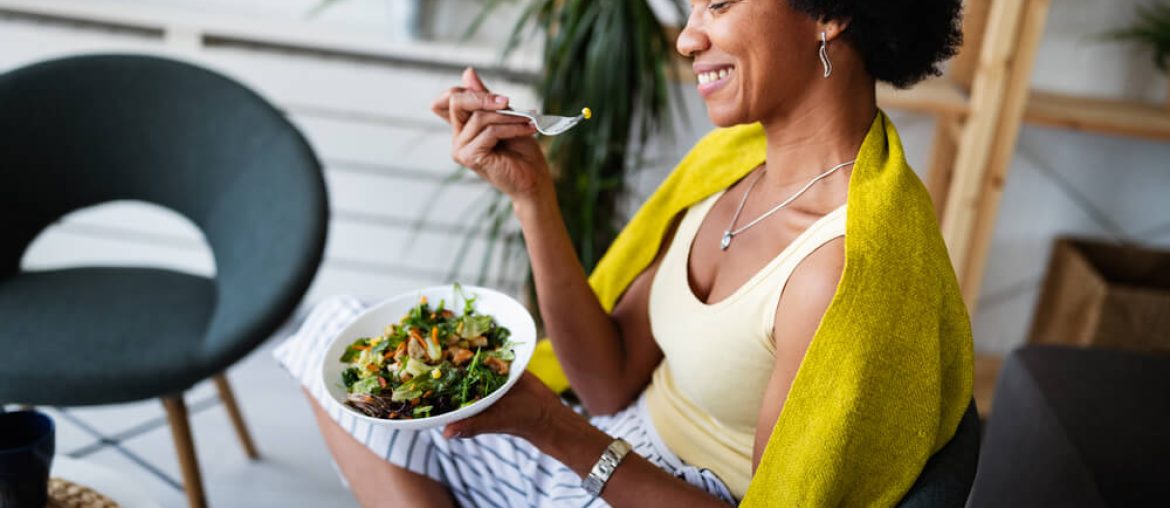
[730,233]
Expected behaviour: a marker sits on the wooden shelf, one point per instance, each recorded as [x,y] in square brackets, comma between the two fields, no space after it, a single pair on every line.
[1106,116]
[939,96]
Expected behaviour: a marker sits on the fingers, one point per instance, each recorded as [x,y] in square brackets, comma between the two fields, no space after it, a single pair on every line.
[460,106]
[471,80]
[473,154]
[479,121]
[439,107]
[486,422]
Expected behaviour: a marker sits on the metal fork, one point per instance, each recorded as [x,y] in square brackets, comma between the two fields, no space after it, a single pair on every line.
[549,125]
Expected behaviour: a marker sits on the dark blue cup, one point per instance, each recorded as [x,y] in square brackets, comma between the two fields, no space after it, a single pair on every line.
[26,453]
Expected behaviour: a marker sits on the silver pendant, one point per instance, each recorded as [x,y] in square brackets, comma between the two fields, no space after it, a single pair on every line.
[726,241]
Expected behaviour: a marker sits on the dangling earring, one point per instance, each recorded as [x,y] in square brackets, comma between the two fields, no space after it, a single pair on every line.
[824,52]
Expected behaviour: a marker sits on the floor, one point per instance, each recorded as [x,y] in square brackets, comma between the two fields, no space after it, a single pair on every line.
[294,469]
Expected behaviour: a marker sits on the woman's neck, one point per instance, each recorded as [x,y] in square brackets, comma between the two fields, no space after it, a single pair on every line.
[825,128]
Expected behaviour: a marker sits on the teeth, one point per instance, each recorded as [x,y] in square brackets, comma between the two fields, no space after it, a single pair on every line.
[713,76]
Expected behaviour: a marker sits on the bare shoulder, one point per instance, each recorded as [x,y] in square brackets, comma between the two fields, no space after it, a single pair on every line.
[809,291]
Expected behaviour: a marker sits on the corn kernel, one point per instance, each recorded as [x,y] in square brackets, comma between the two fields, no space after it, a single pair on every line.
[587,113]
[436,374]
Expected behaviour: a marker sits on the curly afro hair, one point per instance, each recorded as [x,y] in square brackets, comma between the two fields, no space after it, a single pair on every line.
[901,42]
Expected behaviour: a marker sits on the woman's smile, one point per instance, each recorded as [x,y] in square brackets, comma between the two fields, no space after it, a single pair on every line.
[713,77]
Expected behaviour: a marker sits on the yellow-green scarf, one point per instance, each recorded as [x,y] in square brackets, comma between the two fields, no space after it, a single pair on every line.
[889,372]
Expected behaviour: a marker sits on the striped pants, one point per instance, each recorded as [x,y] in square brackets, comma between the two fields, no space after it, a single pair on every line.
[492,470]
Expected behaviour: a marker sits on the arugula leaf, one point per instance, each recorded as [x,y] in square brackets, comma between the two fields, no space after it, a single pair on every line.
[349,377]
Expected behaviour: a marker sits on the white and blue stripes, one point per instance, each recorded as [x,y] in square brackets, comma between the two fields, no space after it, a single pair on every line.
[497,471]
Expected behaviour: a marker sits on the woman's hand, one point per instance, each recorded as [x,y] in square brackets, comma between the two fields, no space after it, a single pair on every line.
[533,412]
[499,148]
[524,411]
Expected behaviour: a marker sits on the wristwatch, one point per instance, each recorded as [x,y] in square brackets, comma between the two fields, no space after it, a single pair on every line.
[603,469]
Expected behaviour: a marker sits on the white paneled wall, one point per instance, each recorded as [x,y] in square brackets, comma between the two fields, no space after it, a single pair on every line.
[385,156]
[395,224]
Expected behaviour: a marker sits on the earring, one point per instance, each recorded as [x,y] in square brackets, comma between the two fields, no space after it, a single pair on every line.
[824,52]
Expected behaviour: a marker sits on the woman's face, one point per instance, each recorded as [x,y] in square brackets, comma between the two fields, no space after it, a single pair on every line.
[754,58]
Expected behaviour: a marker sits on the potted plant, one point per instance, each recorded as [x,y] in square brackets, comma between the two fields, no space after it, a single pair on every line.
[1151,29]
[616,57]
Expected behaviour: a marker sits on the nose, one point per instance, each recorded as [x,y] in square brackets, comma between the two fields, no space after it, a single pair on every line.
[693,38]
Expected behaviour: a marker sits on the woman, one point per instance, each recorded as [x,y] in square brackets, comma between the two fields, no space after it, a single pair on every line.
[693,351]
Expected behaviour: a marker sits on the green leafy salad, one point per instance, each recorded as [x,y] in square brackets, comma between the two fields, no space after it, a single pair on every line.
[428,363]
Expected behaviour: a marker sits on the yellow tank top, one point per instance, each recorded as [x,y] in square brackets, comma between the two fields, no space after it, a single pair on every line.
[705,395]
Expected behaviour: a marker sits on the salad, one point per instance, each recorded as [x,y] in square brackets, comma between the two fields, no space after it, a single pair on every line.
[430,362]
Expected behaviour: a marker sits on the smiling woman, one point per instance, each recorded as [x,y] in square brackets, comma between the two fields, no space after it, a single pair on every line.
[731,340]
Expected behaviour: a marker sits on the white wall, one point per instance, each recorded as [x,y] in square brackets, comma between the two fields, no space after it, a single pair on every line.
[384,155]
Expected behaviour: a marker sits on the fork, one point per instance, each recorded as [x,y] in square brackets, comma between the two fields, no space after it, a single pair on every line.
[550,125]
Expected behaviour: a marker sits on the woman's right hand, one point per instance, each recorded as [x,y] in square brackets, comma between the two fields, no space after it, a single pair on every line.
[499,148]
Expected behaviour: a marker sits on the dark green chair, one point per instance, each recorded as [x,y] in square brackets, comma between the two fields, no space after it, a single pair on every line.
[80,131]
[947,478]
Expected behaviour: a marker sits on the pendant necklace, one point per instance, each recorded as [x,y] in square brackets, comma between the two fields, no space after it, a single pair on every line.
[729,233]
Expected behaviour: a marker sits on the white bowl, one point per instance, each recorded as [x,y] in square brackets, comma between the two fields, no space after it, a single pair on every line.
[507,312]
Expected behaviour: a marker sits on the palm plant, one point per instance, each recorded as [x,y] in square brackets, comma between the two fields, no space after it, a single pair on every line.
[616,57]
[1152,29]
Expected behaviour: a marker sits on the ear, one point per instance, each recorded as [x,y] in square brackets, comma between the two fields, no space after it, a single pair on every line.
[832,28]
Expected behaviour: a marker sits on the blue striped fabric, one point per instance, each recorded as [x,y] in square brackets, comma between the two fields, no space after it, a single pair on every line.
[490,470]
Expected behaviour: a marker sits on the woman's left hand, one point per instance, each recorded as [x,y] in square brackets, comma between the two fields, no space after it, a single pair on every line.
[526,409]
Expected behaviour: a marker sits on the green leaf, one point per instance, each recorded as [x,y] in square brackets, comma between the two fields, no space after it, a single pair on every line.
[476,325]
[1152,29]
[380,348]
[404,393]
[349,377]
[368,385]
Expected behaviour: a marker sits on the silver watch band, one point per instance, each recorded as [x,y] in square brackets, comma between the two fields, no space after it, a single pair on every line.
[603,469]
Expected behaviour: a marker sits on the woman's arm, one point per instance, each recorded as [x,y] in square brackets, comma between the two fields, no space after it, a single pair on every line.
[531,411]
[806,296]
[608,359]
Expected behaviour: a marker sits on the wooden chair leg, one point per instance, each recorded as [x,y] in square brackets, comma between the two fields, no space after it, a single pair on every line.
[185,449]
[228,398]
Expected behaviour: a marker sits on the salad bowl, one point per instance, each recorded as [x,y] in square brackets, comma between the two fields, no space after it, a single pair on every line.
[506,311]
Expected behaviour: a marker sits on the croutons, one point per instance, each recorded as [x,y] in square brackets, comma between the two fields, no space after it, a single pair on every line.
[460,356]
[496,364]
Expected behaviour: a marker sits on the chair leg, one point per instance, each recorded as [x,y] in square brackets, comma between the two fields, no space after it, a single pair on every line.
[229,402]
[185,448]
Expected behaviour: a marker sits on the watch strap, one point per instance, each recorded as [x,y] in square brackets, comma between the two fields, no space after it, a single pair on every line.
[605,466]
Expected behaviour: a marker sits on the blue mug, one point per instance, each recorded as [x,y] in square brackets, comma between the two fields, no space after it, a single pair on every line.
[26,454]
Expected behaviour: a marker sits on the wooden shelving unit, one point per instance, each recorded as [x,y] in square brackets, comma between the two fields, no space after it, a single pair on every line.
[980,106]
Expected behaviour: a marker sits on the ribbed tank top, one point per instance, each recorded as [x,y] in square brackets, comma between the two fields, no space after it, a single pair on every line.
[705,396]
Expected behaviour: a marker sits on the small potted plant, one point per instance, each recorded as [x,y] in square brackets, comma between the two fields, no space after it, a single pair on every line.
[1151,29]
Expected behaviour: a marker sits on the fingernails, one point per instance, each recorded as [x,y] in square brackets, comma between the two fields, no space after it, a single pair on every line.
[500,99]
